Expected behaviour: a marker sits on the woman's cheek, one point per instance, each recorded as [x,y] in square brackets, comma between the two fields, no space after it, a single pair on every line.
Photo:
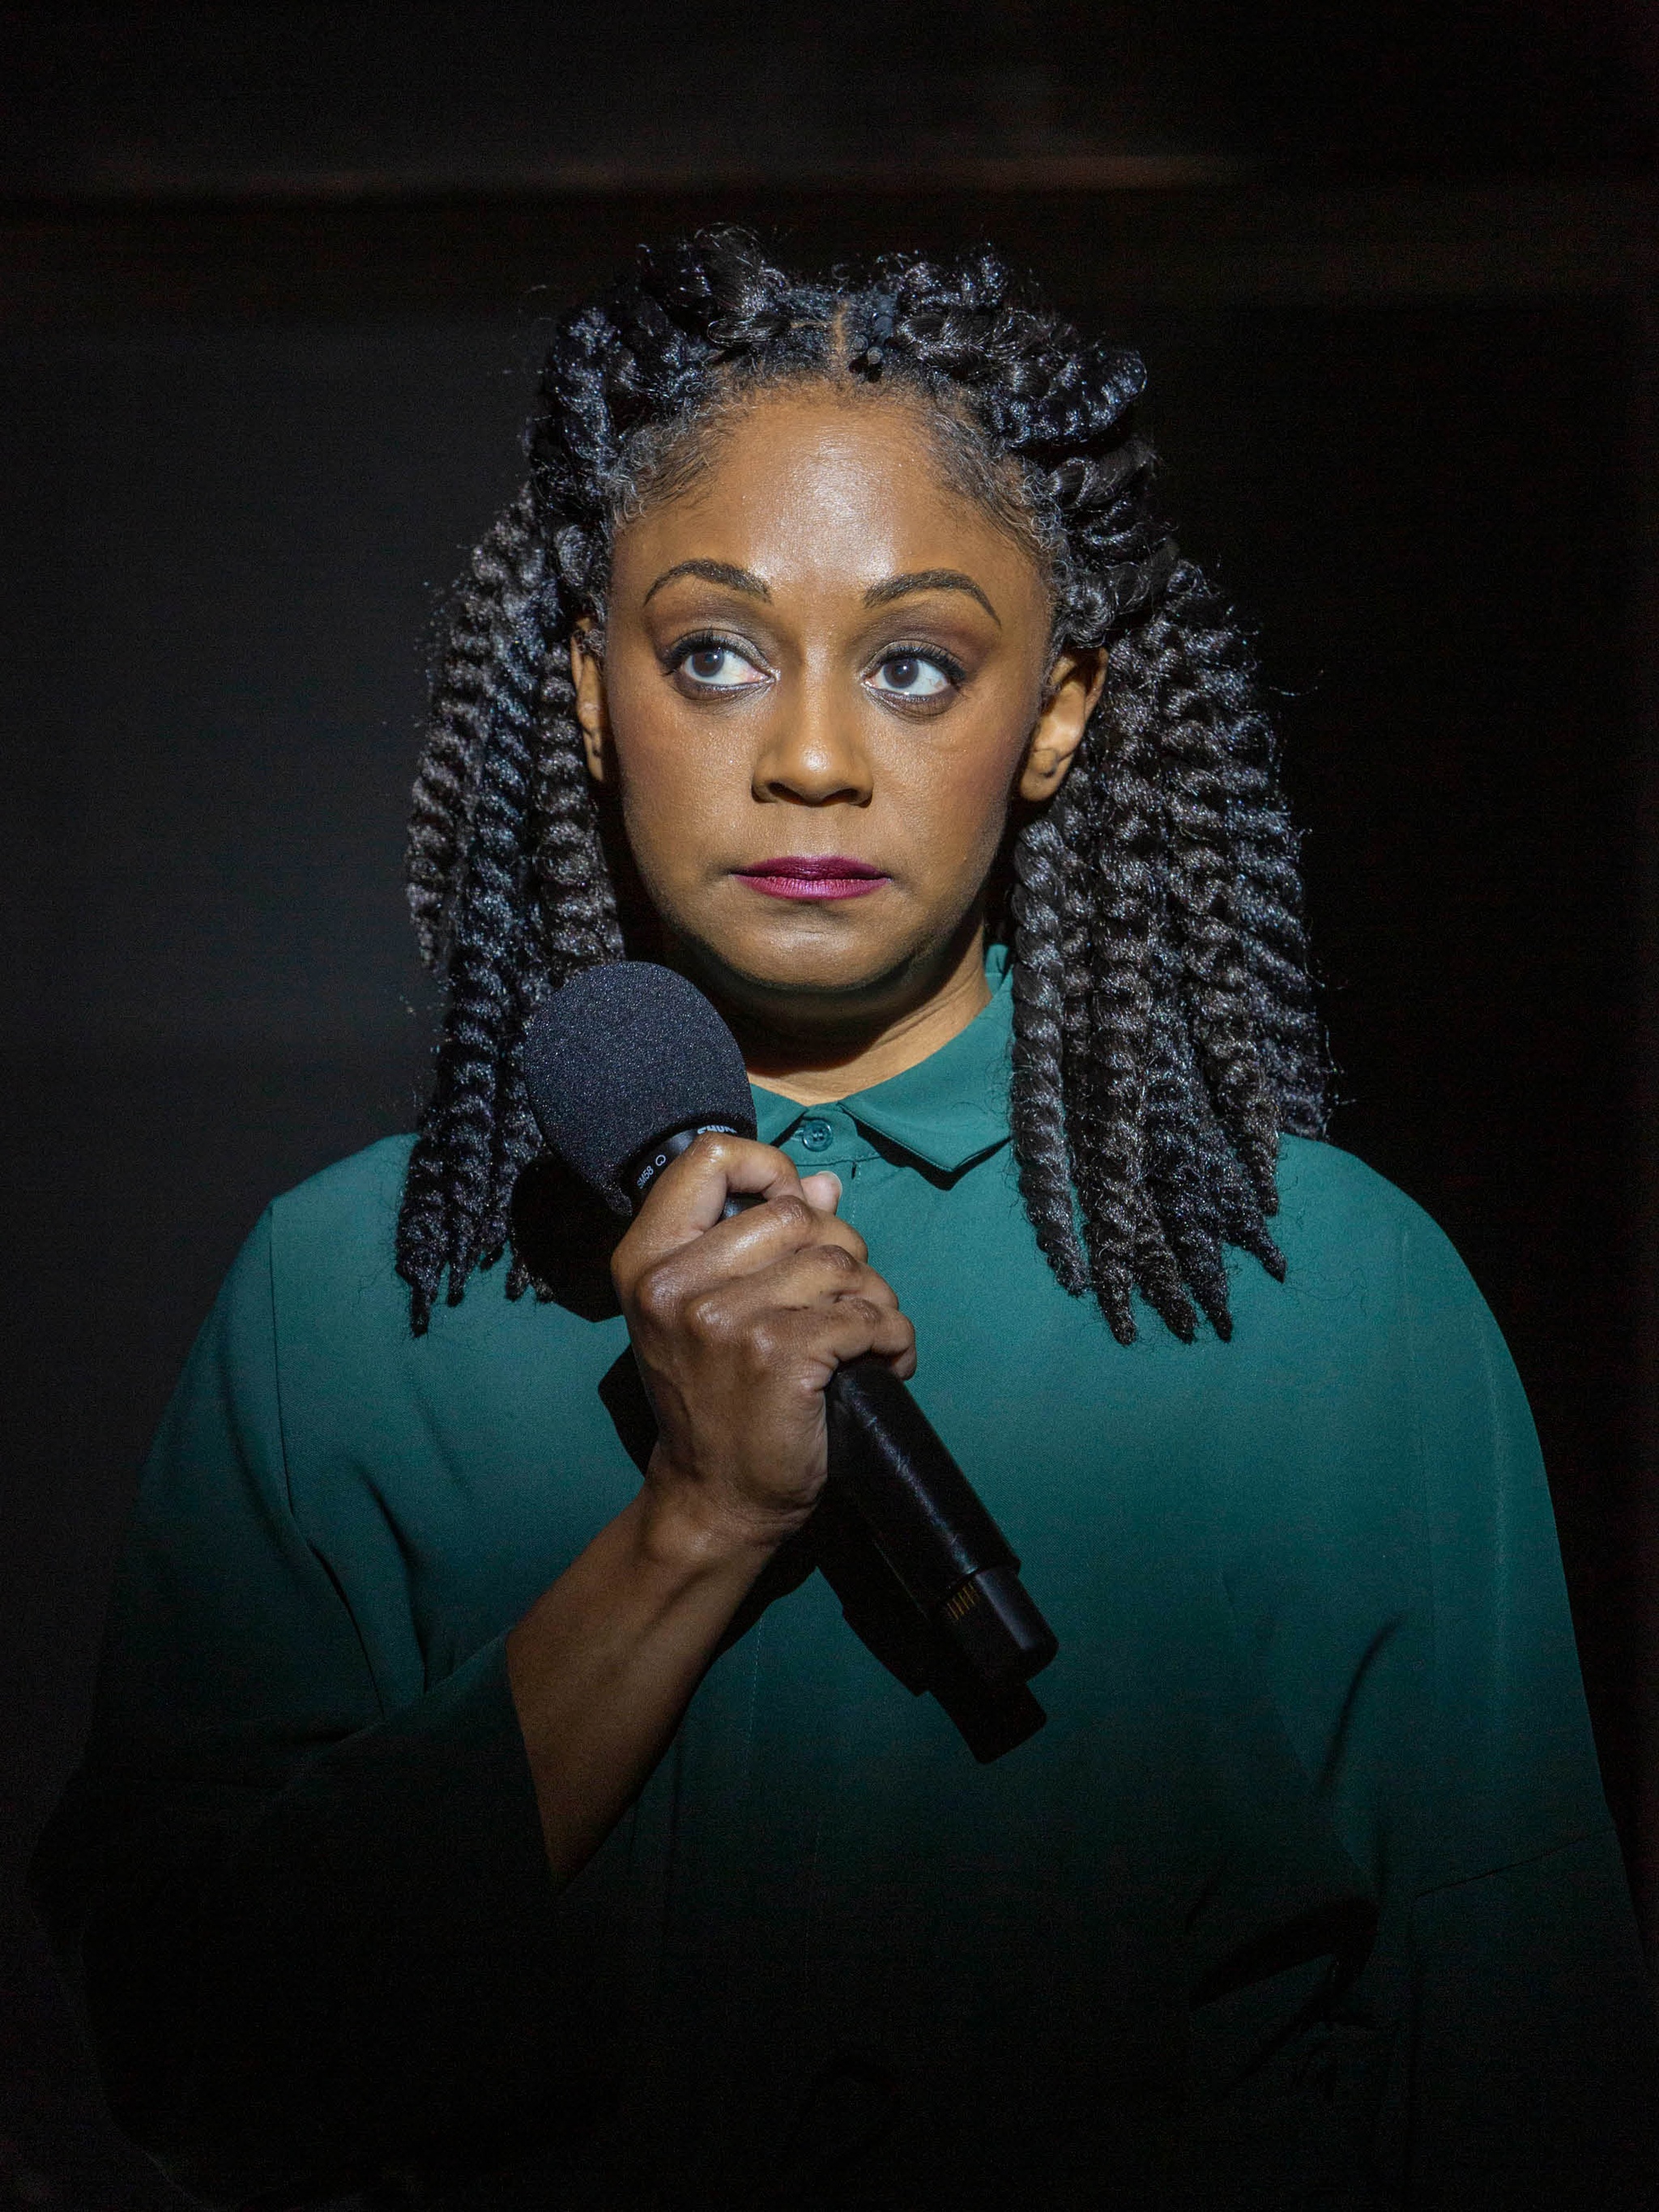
[958,813]
[672,795]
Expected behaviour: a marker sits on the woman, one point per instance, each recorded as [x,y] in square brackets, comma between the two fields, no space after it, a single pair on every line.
[834,653]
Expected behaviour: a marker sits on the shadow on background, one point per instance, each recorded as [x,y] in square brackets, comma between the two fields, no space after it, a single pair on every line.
[269,287]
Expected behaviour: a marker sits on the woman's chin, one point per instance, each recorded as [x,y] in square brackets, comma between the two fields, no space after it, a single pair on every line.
[807,956]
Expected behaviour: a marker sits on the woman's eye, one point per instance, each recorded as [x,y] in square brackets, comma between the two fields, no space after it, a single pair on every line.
[912,676]
[720,668]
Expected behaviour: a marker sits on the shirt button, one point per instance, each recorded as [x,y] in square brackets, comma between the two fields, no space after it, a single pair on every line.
[815,1136]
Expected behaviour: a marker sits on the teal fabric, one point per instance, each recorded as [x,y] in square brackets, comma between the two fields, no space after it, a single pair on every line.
[1305,1893]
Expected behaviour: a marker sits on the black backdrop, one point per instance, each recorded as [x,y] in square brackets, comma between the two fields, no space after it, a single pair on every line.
[250,423]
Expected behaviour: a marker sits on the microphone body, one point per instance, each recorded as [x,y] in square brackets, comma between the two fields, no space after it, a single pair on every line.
[627,1066]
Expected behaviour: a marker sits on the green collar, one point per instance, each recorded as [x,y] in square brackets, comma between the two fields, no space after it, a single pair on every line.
[950,1109]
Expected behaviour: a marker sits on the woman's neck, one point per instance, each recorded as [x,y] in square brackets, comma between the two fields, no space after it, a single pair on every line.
[815,1070]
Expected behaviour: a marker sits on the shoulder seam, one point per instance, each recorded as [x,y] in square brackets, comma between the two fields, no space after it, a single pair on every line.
[270,1224]
[1408,1313]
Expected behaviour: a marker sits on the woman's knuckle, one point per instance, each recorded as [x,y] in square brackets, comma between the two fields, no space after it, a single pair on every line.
[655,1294]
[706,1317]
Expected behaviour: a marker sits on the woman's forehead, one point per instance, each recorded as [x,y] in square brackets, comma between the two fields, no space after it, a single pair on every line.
[813,479]
[766,441]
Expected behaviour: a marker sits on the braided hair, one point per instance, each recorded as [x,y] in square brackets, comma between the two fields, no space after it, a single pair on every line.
[1164,1030]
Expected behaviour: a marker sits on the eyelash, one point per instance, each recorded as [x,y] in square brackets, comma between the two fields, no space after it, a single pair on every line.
[708,640]
[712,640]
[935,656]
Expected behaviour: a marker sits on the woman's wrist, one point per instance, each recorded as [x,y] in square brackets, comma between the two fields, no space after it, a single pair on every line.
[687,1529]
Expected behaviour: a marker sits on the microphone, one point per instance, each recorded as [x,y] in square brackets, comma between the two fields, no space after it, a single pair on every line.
[626,1066]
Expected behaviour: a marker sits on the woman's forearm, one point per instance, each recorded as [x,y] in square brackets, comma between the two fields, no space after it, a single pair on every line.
[604,1663]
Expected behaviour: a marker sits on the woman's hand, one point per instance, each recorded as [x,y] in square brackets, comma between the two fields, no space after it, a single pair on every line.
[737,1327]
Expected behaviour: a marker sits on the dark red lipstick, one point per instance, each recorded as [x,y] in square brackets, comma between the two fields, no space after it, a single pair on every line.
[813,876]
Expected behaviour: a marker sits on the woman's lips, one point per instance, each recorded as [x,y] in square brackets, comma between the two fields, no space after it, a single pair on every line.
[813,876]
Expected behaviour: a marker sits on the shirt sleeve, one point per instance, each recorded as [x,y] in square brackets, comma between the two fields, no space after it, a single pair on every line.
[1531,2063]
[310,1940]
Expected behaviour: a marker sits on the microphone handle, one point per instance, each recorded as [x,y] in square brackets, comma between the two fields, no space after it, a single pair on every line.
[930,1525]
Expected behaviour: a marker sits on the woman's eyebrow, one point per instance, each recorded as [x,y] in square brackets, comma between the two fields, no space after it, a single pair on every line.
[712,572]
[929,580]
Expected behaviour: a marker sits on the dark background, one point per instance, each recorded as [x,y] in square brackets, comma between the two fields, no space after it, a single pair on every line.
[270,284]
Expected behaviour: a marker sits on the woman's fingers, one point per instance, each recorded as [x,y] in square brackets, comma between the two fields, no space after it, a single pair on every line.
[812,1277]
[859,1327]
[822,1190]
[806,1314]
[690,1195]
[665,1251]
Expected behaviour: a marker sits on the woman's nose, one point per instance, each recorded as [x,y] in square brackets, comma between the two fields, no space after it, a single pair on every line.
[813,753]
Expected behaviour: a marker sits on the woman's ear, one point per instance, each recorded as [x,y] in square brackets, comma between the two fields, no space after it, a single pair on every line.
[1070,697]
[588,674]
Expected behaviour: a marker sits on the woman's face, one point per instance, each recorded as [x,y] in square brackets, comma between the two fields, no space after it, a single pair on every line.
[826,675]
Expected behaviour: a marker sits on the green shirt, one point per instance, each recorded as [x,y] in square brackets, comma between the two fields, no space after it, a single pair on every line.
[1304,1893]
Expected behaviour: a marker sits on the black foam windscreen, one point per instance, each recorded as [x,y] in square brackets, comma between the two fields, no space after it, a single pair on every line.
[623,1054]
